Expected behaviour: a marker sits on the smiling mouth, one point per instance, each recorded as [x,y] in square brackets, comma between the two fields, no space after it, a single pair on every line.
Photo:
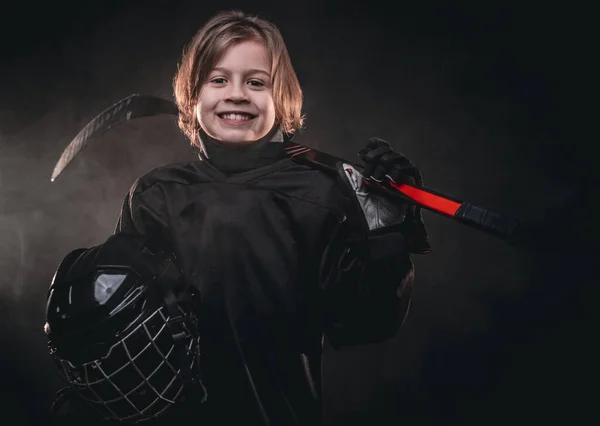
[236,116]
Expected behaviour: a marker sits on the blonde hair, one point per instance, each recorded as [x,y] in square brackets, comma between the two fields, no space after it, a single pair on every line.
[207,47]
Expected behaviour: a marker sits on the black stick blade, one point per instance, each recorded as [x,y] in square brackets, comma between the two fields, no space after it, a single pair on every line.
[131,107]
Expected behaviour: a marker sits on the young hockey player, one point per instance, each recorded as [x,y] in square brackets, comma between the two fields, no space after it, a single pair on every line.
[282,254]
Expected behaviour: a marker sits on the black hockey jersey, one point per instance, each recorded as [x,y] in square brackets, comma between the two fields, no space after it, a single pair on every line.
[278,268]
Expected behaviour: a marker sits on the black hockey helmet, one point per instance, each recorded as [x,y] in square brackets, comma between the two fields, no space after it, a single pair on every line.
[122,327]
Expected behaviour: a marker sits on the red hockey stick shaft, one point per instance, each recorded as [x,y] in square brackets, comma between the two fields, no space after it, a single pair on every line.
[465,212]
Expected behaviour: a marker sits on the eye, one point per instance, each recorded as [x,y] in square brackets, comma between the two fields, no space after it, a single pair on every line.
[256,83]
[218,80]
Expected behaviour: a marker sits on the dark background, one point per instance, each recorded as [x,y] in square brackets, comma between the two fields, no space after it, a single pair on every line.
[489,101]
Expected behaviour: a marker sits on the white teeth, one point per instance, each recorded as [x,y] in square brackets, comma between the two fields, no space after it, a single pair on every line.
[237,117]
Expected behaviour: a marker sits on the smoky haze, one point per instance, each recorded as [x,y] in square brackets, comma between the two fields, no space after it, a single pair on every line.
[471,97]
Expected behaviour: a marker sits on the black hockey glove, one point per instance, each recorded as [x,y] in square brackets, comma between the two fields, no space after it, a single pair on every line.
[382,161]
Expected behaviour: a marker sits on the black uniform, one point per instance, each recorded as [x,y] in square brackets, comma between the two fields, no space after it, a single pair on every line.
[267,242]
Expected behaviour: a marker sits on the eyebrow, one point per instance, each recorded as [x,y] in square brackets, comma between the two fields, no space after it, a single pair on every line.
[250,71]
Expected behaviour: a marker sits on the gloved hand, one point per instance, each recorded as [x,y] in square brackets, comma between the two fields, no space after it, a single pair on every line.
[381,161]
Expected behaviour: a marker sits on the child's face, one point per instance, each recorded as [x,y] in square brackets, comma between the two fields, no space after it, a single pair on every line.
[236,102]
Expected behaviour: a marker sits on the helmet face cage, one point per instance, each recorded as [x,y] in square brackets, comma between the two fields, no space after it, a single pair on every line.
[140,377]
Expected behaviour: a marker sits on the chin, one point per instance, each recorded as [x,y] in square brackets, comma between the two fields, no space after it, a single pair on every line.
[238,136]
[236,139]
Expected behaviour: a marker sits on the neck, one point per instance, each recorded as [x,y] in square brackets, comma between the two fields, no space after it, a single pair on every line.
[232,157]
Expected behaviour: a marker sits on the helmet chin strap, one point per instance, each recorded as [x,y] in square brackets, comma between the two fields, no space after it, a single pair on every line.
[169,278]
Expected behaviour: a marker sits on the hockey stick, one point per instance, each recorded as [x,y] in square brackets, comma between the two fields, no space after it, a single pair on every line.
[465,212]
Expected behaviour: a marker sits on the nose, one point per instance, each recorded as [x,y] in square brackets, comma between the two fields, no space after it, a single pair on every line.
[237,93]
